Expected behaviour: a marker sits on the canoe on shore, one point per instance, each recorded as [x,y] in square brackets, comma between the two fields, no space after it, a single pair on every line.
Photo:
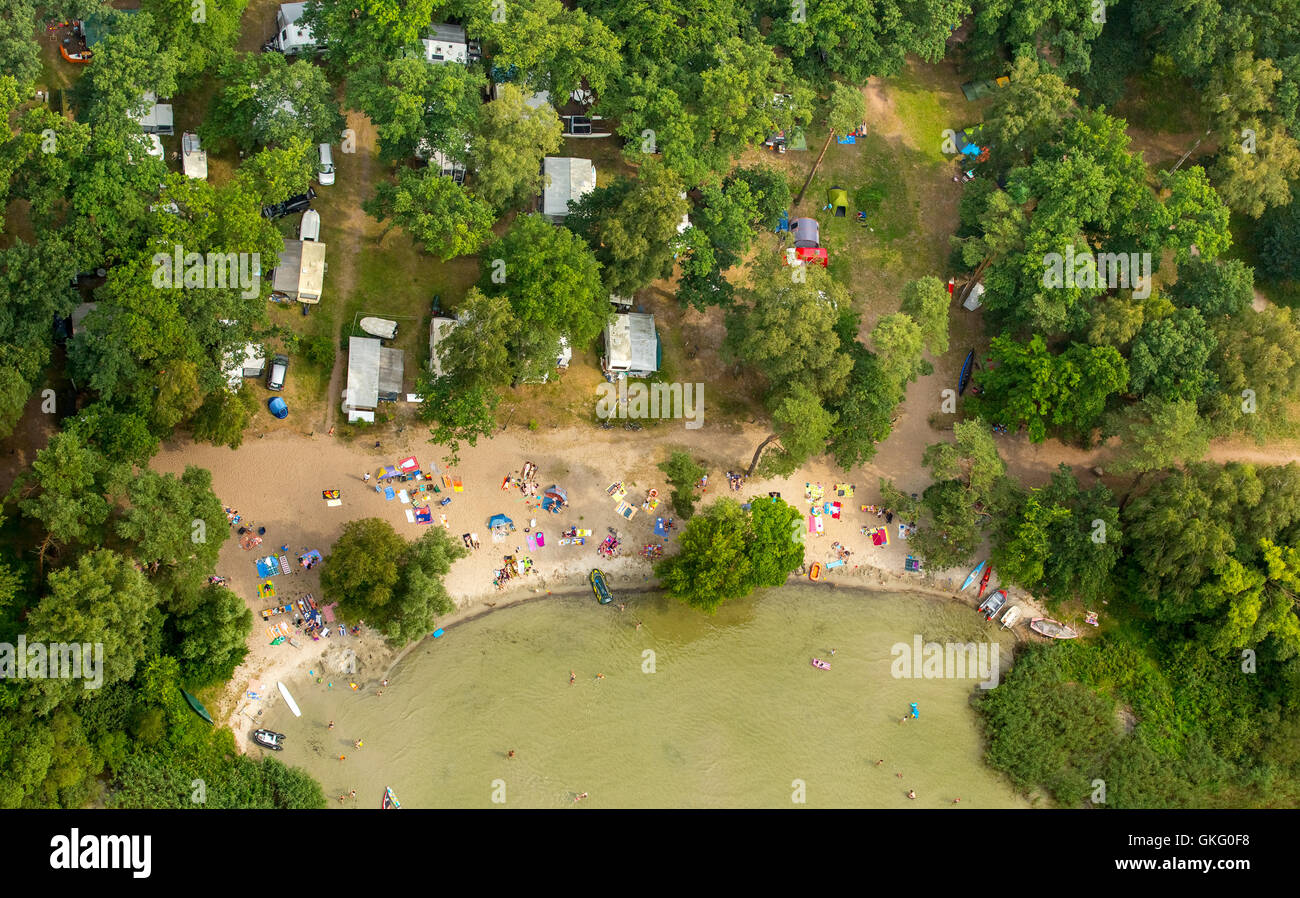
[970,578]
[1052,629]
[389,801]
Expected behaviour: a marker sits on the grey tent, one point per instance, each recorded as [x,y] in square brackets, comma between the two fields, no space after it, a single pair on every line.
[807,233]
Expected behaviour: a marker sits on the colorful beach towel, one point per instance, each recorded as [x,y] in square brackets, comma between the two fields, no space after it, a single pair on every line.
[404,497]
[389,494]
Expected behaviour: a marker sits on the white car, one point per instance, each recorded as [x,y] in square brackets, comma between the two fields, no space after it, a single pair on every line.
[325,170]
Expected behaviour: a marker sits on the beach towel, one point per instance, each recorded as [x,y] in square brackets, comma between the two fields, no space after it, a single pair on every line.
[457,485]
[389,494]
[442,519]
[328,612]
[334,503]
[446,482]
[902,531]
[821,525]
[837,508]
[284,565]
[532,543]
[407,465]
[404,497]
[410,516]
[541,539]
[812,524]
[660,529]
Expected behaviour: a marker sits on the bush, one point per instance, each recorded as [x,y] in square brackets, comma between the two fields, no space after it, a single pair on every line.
[318,350]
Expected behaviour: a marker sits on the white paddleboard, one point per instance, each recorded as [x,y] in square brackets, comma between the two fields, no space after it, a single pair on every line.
[293,706]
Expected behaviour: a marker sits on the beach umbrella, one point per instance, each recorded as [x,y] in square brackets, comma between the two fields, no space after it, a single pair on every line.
[278,407]
[499,520]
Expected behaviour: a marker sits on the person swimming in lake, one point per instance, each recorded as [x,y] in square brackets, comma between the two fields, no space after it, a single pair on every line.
[911,794]
[573,678]
[331,726]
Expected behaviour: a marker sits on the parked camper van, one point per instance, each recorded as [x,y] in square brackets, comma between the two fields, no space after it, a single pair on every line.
[325,170]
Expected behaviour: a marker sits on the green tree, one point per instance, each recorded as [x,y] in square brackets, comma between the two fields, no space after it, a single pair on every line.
[224,416]
[899,342]
[864,414]
[786,328]
[554,48]
[18,47]
[551,279]
[631,226]
[1158,433]
[362,570]
[1214,289]
[1255,179]
[1026,113]
[438,214]
[1257,367]
[212,639]
[926,300]
[416,106]
[1169,356]
[506,150]
[354,32]
[101,599]
[683,473]
[67,491]
[199,41]
[420,593]
[728,552]
[846,109]
[268,101]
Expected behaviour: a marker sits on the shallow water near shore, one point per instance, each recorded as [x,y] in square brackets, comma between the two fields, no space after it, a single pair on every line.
[693,710]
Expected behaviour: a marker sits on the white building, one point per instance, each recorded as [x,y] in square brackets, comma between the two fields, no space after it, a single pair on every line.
[568,179]
[374,376]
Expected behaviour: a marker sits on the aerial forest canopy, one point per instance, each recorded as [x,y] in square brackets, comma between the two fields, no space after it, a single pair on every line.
[1137,302]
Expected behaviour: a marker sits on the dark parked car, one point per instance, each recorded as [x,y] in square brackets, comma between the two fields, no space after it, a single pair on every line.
[293,204]
[279,370]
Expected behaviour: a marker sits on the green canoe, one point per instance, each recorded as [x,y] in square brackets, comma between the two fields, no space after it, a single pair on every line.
[197,706]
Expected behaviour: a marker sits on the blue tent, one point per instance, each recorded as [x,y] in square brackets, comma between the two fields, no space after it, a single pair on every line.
[278,408]
[500,520]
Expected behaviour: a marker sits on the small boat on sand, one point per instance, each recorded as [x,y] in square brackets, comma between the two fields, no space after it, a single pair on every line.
[379,327]
[970,578]
[964,378]
[816,572]
[598,586]
[993,604]
[984,582]
[389,801]
[1053,629]
[269,739]
[1010,617]
[820,664]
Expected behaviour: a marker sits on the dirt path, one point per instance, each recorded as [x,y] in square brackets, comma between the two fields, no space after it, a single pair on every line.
[354,174]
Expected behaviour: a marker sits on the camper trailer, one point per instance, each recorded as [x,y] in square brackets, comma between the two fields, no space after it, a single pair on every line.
[291,36]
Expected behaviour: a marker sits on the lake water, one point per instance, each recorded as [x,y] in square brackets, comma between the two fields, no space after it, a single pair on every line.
[693,710]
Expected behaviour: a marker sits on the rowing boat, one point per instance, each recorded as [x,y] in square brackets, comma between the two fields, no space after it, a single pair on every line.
[1052,629]
[1010,617]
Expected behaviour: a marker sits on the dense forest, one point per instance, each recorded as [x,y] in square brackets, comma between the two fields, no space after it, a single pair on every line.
[1187,698]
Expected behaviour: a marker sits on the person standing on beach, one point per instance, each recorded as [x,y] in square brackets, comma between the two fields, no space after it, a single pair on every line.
[572,678]
[366,477]
[331,726]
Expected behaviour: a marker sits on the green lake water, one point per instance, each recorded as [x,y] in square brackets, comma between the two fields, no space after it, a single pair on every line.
[725,711]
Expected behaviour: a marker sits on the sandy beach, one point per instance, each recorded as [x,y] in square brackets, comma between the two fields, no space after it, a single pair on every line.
[275,481]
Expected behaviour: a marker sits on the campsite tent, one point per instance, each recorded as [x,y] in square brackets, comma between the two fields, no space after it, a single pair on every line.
[278,407]
[500,520]
[554,498]
[839,201]
[807,233]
